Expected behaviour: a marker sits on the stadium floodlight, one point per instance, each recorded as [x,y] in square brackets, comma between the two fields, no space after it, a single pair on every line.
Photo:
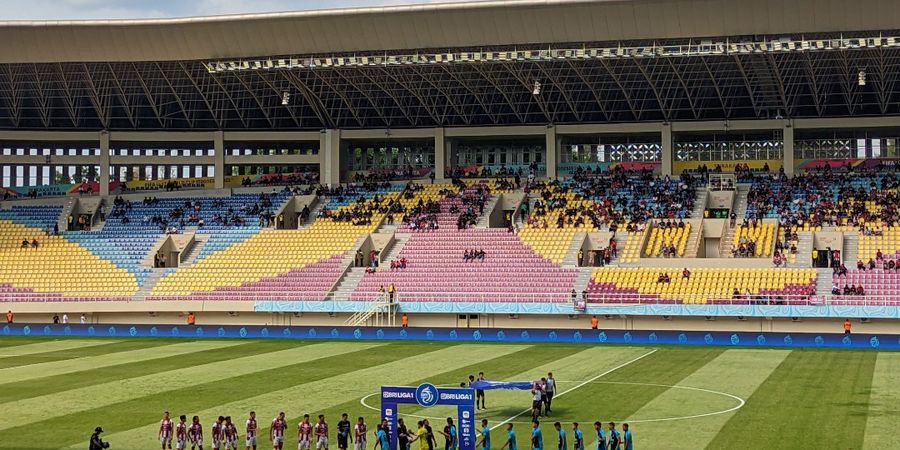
[861,77]
[285,98]
[537,88]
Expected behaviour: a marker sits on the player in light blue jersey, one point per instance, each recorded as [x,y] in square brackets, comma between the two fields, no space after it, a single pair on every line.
[485,435]
[601,436]
[561,436]
[537,438]
[577,437]
[510,438]
[626,437]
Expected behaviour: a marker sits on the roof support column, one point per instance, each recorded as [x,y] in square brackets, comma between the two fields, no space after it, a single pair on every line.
[788,148]
[552,151]
[440,154]
[330,149]
[104,163]
[666,148]
[219,148]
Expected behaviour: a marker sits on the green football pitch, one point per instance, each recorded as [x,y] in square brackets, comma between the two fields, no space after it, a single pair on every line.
[53,392]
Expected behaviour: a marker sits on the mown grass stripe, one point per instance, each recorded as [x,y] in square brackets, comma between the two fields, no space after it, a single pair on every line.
[12,341]
[104,348]
[884,414]
[100,395]
[49,385]
[606,401]
[574,363]
[505,404]
[504,367]
[69,429]
[48,346]
[738,372]
[815,399]
[320,394]
[158,350]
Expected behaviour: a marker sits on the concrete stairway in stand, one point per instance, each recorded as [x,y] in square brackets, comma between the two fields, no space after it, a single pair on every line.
[850,253]
[150,282]
[824,281]
[571,258]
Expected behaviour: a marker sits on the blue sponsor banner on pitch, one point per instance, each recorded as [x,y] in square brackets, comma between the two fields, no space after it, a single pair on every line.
[427,395]
[642,337]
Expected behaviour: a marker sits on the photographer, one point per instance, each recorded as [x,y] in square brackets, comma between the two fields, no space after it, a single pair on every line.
[96,442]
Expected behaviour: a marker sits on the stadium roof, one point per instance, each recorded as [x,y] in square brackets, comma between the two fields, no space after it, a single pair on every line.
[161,73]
[449,25]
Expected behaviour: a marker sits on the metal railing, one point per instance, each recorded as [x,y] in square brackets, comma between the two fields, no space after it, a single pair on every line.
[593,299]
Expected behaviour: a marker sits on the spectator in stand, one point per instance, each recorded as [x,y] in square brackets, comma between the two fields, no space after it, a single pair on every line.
[390,291]
[686,274]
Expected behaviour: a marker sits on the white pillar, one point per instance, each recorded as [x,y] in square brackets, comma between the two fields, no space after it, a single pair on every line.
[331,157]
[219,148]
[104,163]
[667,149]
[788,135]
[552,151]
[440,154]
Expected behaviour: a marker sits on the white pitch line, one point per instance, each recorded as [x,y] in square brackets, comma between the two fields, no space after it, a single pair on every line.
[510,419]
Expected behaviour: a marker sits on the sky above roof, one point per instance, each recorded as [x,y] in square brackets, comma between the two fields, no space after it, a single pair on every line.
[144,9]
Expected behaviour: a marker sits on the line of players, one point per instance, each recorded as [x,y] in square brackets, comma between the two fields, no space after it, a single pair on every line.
[225,435]
[608,439]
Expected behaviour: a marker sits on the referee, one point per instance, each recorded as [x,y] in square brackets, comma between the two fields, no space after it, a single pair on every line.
[549,390]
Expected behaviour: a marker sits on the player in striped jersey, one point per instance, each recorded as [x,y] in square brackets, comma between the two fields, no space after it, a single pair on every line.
[360,431]
[230,434]
[321,429]
[196,434]
[165,431]
[304,429]
[181,433]
[217,433]
[276,431]
[252,427]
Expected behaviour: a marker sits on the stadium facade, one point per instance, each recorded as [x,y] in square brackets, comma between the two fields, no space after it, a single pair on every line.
[555,86]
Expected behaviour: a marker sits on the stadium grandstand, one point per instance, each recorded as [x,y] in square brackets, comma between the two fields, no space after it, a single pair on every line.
[659,164]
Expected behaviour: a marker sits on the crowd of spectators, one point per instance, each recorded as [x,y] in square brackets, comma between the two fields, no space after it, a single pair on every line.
[746,248]
[848,290]
[190,212]
[405,173]
[615,197]
[278,179]
[473,198]
[485,172]
[398,264]
[33,244]
[827,196]
[473,255]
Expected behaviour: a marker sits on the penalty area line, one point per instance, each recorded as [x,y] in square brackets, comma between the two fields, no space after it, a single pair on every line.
[579,385]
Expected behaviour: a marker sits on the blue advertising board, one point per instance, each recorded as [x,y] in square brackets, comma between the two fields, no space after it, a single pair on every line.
[427,395]
[512,335]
